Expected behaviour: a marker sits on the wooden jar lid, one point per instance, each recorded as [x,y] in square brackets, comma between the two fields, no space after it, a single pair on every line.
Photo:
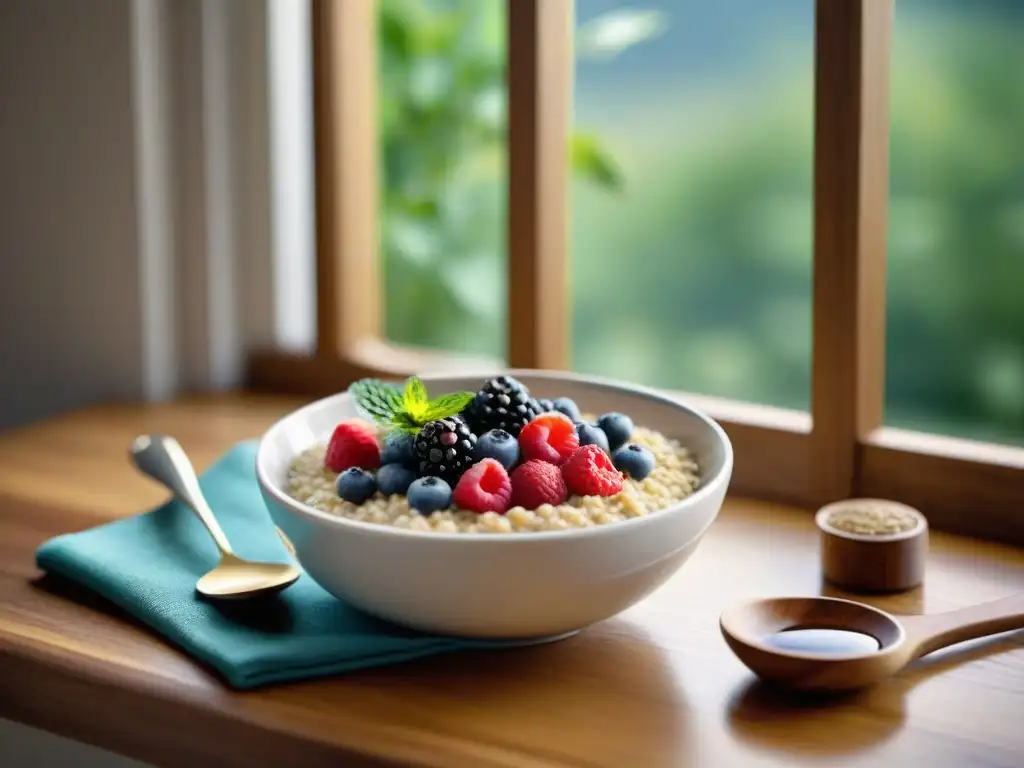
[872,545]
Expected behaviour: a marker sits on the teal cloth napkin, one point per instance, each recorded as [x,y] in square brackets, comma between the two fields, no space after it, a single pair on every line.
[149,564]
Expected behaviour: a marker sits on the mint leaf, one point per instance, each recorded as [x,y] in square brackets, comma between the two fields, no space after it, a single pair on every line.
[405,409]
[447,405]
[414,400]
[404,422]
[377,399]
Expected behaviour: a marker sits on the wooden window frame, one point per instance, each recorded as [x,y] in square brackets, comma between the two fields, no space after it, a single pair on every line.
[840,450]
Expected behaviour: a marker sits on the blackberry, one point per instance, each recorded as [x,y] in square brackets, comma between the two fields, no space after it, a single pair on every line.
[444,448]
[502,403]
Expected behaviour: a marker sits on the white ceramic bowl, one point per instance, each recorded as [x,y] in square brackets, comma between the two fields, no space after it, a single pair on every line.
[522,585]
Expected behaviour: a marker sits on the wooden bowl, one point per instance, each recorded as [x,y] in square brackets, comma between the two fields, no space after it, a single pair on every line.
[872,562]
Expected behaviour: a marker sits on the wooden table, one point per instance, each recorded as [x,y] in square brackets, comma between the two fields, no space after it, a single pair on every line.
[654,687]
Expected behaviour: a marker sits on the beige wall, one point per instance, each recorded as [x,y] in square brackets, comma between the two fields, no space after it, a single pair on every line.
[134,160]
[69,314]
[69,318]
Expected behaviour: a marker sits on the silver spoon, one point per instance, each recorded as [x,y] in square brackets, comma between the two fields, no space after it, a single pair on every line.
[163,459]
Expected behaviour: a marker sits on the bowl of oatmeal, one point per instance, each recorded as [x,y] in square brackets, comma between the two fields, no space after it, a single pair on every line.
[577,524]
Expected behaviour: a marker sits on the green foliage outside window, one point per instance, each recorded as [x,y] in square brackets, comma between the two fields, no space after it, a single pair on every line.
[726,302]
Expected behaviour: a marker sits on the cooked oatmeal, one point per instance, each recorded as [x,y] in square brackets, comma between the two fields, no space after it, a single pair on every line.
[674,477]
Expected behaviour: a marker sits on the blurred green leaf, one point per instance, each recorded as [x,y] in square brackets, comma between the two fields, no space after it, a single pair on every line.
[394,33]
[430,81]
[594,163]
[489,109]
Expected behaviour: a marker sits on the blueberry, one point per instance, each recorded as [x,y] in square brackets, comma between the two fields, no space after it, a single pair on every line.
[398,449]
[394,478]
[429,494]
[356,485]
[497,444]
[591,435]
[546,405]
[618,428]
[568,407]
[634,460]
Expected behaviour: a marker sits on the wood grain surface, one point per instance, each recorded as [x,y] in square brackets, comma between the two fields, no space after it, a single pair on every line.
[656,686]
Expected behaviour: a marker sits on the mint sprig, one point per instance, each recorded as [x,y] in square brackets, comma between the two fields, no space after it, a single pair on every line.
[376,399]
[414,399]
[447,405]
[405,409]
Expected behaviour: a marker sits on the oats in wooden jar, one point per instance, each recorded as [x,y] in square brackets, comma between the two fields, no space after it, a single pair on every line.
[873,520]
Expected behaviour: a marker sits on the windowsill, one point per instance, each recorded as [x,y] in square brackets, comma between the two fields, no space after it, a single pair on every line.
[951,447]
[751,414]
[659,672]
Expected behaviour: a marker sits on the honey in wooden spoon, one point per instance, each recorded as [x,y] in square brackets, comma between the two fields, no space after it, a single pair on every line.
[825,643]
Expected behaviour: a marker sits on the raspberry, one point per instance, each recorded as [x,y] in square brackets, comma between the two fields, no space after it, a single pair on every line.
[590,472]
[550,437]
[537,482]
[353,444]
[484,487]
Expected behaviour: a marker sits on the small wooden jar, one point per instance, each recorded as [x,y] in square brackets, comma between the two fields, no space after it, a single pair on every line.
[872,545]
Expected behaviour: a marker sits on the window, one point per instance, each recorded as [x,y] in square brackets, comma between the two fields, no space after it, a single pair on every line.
[691,267]
[441,94]
[839,437]
[955,347]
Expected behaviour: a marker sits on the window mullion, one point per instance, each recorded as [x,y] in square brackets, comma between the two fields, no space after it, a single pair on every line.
[851,190]
[345,136]
[540,62]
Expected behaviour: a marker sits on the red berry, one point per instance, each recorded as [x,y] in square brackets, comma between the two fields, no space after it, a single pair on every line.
[537,482]
[589,472]
[550,437]
[353,444]
[484,487]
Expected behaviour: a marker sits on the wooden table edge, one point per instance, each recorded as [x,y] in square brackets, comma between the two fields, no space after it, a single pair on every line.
[212,734]
[200,732]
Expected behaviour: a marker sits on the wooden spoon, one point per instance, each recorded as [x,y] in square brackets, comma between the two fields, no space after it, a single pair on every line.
[851,645]
[163,459]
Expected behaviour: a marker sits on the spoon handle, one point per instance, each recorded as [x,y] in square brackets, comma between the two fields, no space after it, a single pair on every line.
[929,633]
[162,458]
